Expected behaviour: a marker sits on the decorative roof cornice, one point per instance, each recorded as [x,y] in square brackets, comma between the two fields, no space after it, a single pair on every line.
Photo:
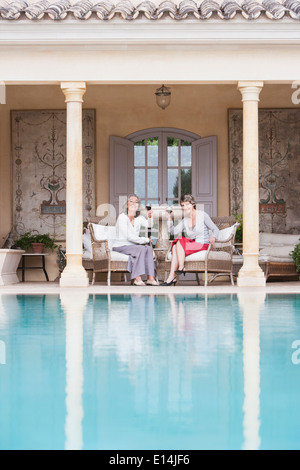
[105,10]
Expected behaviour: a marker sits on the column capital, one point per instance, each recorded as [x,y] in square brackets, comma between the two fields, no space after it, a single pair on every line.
[73,91]
[250,90]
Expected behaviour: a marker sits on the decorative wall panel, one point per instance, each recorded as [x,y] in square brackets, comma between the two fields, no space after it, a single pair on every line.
[39,170]
[279,168]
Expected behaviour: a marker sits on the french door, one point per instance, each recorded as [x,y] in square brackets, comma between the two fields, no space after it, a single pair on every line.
[160,165]
[162,168]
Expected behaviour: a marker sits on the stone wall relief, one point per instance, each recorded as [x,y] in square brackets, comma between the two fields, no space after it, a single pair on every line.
[39,170]
[279,168]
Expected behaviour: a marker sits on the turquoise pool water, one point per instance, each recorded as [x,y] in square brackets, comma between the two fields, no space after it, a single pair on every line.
[150,372]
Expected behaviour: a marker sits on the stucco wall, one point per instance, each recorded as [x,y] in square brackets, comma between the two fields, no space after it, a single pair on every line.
[122,110]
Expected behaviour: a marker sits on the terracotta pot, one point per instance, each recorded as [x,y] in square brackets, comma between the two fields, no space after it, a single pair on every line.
[38,247]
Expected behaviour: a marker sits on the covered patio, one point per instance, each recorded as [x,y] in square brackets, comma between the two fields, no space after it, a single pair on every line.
[114,68]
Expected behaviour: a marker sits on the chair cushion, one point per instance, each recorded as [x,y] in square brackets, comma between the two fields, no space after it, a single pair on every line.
[115,256]
[281,253]
[275,259]
[105,233]
[225,234]
[87,254]
[200,256]
[278,239]
[87,241]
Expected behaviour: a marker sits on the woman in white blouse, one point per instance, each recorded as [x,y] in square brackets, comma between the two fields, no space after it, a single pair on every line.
[197,226]
[130,243]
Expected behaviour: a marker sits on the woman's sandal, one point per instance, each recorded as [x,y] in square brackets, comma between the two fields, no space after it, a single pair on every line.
[180,271]
[165,284]
[139,283]
[152,283]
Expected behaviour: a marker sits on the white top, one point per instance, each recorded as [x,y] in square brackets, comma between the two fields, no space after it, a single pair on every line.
[200,232]
[128,233]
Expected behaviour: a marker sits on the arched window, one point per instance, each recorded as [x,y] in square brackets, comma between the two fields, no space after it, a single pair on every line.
[161,164]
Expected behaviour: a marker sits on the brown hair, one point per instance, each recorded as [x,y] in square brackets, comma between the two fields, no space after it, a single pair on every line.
[188,198]
[125,207]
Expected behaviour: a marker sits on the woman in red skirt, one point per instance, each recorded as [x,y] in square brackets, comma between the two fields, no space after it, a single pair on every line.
[200,231]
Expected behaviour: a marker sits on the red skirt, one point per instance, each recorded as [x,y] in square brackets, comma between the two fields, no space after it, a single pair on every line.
[190,246]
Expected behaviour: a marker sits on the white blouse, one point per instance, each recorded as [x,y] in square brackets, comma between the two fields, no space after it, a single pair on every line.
[200,232]
[128,233]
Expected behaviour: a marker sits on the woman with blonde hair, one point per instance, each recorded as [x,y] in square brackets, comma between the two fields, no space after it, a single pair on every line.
[197,225]
[130,243]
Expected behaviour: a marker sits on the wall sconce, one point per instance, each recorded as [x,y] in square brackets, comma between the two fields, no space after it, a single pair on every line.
[163,97]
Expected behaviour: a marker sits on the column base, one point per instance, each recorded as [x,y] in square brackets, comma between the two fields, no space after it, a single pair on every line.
[74,274]
[251,279]
[74,282]
[251,274]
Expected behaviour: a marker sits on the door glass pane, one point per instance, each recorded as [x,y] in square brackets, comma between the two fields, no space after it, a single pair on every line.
[186,153]
[173,202]
[172,151]
[153,202]
[152,148]
[186,181]
[139,183]
[172,183]
[139,153]
[152,183]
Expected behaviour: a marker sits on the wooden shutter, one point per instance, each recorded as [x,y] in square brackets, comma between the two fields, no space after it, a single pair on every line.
[121,170]
[205,174]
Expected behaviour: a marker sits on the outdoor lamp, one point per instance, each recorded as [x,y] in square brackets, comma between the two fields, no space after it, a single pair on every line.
[163,97]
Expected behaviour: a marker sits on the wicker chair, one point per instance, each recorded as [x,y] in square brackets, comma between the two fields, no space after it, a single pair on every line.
[102,258]
[88,263]
[218,258]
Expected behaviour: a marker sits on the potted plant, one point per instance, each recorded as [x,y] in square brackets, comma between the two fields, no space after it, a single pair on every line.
[296,256]
[37,242]
[24,242]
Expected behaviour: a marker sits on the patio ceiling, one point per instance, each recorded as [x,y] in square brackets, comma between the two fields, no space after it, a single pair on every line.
[106,10]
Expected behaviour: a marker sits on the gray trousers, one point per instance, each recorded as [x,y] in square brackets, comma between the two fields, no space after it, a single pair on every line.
[140,259]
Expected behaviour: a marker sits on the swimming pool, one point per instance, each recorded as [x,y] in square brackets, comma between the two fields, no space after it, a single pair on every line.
[150,372]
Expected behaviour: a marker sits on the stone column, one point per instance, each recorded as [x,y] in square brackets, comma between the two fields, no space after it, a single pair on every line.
[250,274]
[74,275]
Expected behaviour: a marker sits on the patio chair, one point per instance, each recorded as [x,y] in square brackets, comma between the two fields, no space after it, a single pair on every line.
[87,262]
[104,259]
[217,260]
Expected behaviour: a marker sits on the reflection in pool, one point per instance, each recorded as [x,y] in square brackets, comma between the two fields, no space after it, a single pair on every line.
[149,372]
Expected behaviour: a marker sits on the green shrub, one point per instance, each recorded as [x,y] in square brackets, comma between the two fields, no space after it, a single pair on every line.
[296,256]
[239,232]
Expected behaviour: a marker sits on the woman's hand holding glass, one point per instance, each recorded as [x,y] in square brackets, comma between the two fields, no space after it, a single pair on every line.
[170,214]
